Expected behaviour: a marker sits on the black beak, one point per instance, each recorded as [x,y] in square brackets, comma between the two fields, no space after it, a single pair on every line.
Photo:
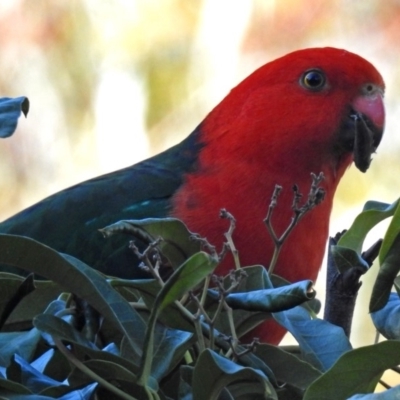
[366,140]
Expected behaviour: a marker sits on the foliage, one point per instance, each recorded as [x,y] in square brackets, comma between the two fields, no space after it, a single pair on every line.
[177,335]
[79,334]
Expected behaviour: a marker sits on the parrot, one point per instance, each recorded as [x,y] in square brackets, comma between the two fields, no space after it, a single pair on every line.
[315,110]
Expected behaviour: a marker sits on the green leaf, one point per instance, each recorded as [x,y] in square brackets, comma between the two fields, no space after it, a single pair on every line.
[29,306]
[185,383]
[57,327]
[256,278]
[390,394]
[313,305]
[13,387]
[10,111]
[357,371]
[388,271]
[269,300]
[396,284]
[22,343]
[25,287]
[76,277]
[213,373]
[386,320]
[287,367]
[391,234]
[373,213]
[185,278]
[346,258]
[62,330]
[177,244]
[321,343]
[170,345]
[22,372]
[171,316]
[112,372]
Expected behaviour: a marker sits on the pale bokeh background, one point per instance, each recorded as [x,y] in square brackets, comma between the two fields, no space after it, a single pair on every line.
[115,81]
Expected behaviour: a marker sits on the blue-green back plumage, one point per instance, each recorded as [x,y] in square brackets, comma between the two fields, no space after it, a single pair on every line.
[69,220]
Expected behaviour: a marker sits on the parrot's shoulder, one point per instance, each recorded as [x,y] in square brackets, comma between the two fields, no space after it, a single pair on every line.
[142,190]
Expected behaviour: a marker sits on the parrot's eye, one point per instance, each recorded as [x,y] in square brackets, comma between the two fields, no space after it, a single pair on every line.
[313,80]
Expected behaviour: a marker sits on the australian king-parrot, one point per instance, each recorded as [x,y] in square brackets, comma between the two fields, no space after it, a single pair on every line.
[310,111]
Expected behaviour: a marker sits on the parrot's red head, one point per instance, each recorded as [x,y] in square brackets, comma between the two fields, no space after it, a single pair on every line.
[323,101]
[314,110]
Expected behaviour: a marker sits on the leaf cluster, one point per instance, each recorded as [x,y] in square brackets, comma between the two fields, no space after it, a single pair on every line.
[80,334]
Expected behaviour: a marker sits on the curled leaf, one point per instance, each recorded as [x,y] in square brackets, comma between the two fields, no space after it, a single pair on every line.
[10,111]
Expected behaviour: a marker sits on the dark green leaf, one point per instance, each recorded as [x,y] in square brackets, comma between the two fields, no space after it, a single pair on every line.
[257,278]
[185,278]
[30,377]
[321,342]
[57,327]
[32,304]
[10,111]
[312,305]
[111,372]
[387,320]
[8,386]
[170,345]
[390,394]
[213,373]
[185,384]
[357,371]
[85,393]
[391,234]
[346,258]
[26,286]
[176,245]
[22,343]
[148,289]
[388,271]
[269,300]
[287,367]
[373,213]
[76,277]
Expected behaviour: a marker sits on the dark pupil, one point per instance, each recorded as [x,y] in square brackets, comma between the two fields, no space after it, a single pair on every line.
[313,79]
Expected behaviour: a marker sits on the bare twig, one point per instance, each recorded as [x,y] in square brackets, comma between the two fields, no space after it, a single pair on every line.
[151,259]
[315,197]
[206,245]
[248,348]
[232,224]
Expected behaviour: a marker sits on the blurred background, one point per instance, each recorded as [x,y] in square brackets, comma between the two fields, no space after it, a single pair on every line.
[113,82]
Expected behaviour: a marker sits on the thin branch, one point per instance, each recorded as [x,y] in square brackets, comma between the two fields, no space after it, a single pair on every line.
[206,245]
[153,266]
[315,197]
[233,348]
[231,245]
